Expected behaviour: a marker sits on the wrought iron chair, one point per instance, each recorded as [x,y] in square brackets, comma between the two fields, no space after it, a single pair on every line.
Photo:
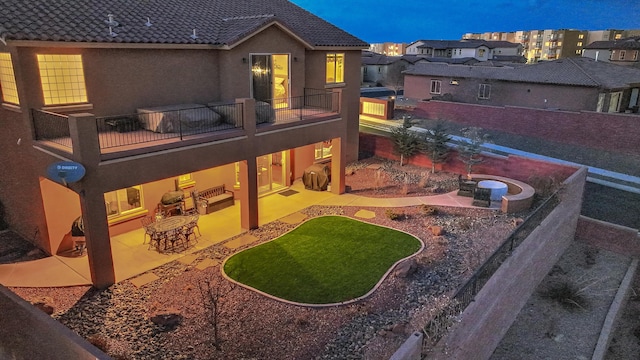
[146,224]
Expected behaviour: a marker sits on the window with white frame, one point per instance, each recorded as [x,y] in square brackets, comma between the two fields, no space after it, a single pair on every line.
[635,55]
[323,150]
[435,86]
[579,43]
[124,202]
[335,68]
[8,80]
[62,78]
[622,54]
[484,91]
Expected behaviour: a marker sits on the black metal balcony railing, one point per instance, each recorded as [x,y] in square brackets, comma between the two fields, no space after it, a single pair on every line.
[52,127]
[438,326]
[145,127]
[314,104]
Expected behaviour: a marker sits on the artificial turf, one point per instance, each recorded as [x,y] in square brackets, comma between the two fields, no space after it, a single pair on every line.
[328,259]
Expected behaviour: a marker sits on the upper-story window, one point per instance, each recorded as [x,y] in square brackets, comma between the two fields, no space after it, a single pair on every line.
[484,91]
[622,54]
[8,80]
[580,36]
[435,86]
[635,55]
[579,43]
[335,68]
[62,78]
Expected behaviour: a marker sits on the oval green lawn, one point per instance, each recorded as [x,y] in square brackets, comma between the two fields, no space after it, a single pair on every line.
[325,260]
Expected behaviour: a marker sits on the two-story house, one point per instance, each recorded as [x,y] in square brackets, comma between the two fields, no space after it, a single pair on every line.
[622,52]
[480,50]
[567,84]
[151,96]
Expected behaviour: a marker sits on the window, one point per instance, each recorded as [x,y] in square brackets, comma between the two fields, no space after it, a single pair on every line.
[618,36]
[8,80]
[124,202]
[635,55]
[581,36]
[323,150]
[579,43]
[62,78]
[622,54]
[484,91]
[435,86]
[578,52]
[335,68]
[481,52]
[185,181]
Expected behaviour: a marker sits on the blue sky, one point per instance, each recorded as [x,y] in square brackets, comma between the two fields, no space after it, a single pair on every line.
[407,20]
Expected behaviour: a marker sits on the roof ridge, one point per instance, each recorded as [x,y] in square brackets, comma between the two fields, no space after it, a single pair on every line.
[584,71]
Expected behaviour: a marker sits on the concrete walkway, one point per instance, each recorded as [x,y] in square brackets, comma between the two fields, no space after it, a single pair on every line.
[132,258]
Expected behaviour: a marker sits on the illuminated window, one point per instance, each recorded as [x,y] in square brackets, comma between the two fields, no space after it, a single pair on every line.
[62,78]
[8,80]
[622,54]
[581,36]
[124,201]
[335,68]
[579,43]
[435,86]
[578,52]
[635,55]
[484,91]
[618,36]
[323,150]
[185,181]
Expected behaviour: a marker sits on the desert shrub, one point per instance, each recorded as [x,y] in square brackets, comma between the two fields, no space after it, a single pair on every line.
[391,215]
[378,180]
[545,186]
[424,179]
[567,294]
[464,224]
[428,210]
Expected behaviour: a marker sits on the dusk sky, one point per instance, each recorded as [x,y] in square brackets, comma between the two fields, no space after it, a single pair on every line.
[409,20]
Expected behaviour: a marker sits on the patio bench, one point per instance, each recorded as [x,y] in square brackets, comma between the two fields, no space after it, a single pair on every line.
[213,199]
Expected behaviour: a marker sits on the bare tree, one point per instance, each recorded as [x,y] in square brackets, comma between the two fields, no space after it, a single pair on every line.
[470,152]
[213,292]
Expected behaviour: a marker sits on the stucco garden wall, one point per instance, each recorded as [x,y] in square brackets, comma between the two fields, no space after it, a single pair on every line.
[607,131]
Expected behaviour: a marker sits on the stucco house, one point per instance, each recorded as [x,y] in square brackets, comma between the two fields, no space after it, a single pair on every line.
[480,50]
[150,96]
[622,51]
[387,70]
[567,84]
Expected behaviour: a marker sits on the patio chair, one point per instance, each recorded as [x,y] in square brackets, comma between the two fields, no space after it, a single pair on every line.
[191,226]
[482,197]
[146,224]
[466,186]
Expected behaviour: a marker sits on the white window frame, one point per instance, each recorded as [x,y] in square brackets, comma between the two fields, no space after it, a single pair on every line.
[622,54]
[436,87]
[484,91]
[116,213]
[336,56]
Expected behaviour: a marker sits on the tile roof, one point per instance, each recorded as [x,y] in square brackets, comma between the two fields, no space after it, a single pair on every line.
[578,71]
[216,22]
[623,44]
[369,58]
[465,44]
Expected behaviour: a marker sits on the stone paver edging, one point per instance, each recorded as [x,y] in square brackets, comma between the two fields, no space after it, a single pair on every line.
[369,293]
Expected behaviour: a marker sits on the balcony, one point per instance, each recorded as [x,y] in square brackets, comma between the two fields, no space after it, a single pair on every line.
[178,126]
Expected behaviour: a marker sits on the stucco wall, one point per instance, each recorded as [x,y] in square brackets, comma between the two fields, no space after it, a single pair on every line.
[612,237]
[607,131]
[505,93]
[485,321]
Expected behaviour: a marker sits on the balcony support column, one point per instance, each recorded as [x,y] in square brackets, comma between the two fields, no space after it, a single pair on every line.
[249,169]
[86,151]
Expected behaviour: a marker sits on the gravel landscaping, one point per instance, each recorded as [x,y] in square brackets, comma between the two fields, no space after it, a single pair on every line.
[252,326]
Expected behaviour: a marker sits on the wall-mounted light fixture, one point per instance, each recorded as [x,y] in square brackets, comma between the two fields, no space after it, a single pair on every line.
[295,59]
[244,60]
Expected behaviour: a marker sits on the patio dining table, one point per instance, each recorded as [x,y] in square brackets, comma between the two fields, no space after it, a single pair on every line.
[167,231]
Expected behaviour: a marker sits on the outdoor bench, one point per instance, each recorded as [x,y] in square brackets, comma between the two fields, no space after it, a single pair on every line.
[213,199]
[519,195]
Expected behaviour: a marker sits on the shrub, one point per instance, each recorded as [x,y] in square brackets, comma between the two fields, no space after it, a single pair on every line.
[567,294]
[465,224]
[545,186]
[424,179]
[428,210]
[391,215]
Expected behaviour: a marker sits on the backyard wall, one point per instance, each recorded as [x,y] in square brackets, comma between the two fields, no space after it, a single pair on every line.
[608,236]
[486,320]
[29,333]
[607,131]
[514,167]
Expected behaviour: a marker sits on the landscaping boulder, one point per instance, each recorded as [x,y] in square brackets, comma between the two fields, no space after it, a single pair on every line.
[436,230]
[45,304]
[169,318]
[406,268]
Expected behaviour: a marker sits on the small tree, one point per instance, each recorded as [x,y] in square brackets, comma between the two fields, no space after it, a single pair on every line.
[394,78]
[405,142]
[435,145]
[470,152]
